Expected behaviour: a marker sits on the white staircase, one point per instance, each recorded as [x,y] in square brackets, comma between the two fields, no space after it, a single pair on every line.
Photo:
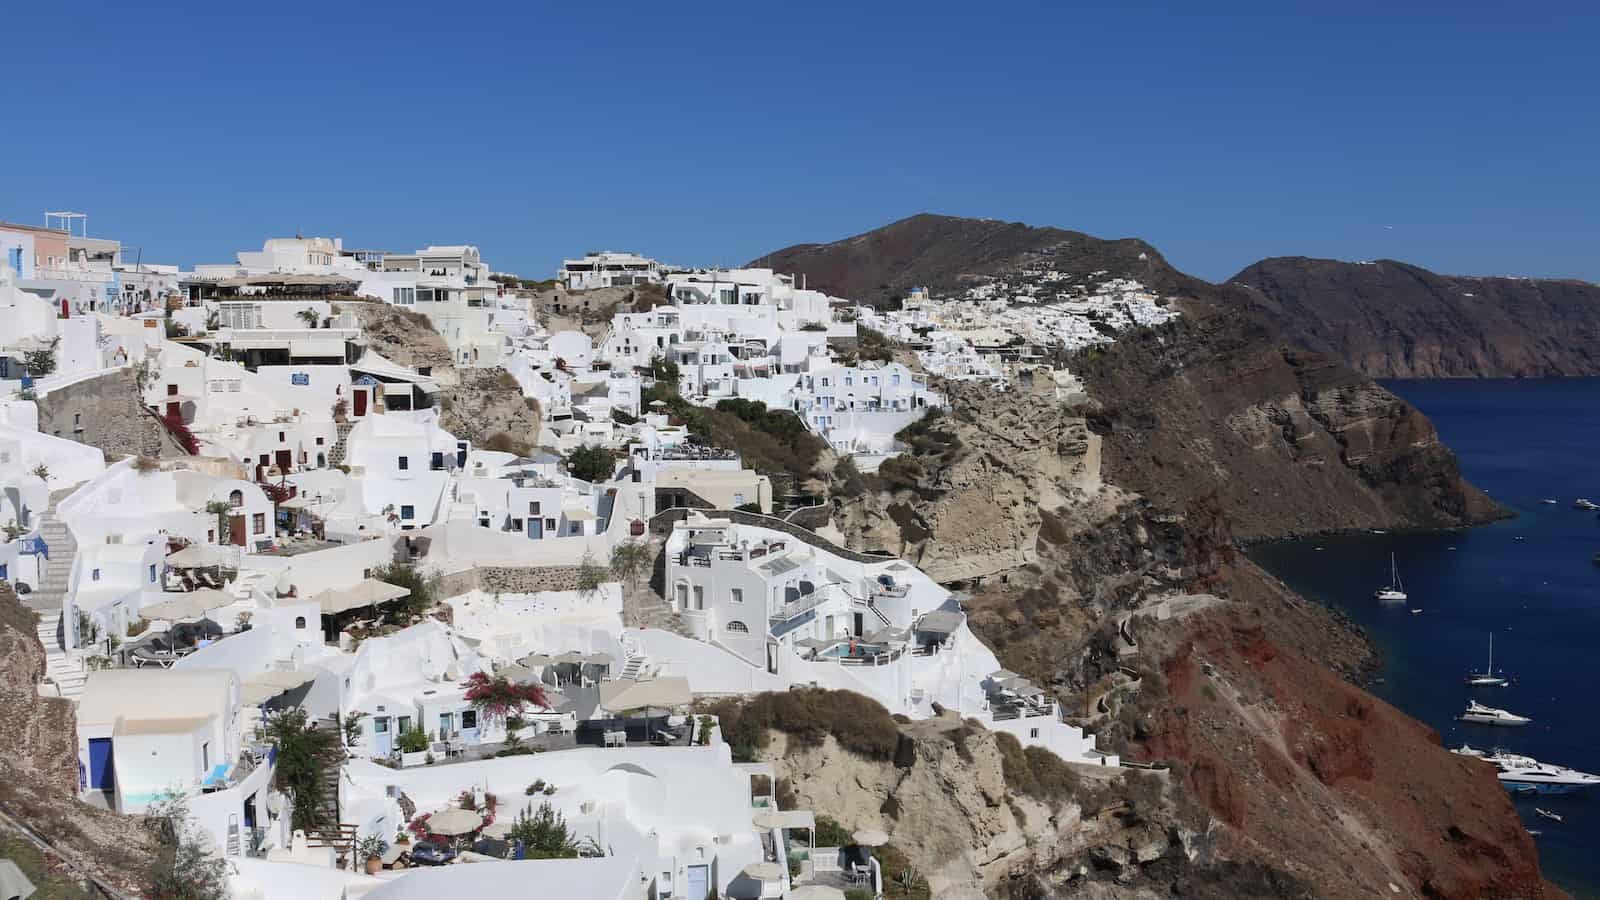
[64,673]
[635,667]
[51,591]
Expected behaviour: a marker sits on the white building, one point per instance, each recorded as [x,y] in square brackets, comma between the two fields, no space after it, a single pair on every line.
[608,268]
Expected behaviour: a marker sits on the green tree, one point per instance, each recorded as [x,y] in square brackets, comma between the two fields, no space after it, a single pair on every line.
[630,559]
[590,575]
[421,598]
[308,316]
[305,754]
[40,363]
[591,462]
[220,509]
[184,867]
[544,833]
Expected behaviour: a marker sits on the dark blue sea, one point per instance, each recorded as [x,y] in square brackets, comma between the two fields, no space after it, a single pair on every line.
[1530,580]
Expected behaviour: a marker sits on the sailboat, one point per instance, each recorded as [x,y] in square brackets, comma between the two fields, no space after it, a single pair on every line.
[1487,678]
[1395,590]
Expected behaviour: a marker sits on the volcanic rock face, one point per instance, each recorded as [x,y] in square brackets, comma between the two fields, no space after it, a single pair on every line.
[1290,442]
[1392,320]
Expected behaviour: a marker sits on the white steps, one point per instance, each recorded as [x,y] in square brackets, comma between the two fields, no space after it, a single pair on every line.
[635,667]
[64,673]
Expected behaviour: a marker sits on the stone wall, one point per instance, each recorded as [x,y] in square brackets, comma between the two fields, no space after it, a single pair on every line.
[508,579]
[105,412]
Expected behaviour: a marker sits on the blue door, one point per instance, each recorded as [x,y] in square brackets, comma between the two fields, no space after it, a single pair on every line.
[535,528]
[101,774]
[699,883]
[16,260]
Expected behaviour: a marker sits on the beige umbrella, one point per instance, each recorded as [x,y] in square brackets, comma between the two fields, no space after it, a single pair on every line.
[533,660]
[764,871]
[870,837]
[499,829]
[187,605]
[570,657]
[454,821]
[195,556]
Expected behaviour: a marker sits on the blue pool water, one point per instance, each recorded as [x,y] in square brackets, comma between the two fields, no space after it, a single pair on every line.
[1530,580]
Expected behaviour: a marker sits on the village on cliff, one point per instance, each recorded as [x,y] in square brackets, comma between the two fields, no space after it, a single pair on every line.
[246,507]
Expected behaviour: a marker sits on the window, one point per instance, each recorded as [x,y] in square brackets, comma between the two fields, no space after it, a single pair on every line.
[205,756]
[405,463]
[319,441]
[408,511]
[258,523]
[699,597]
[236,499]
[95,575]
[402,724]
[550,524]
[152,573]
[404,296]
[299,621]
[469,718]
[447,724]
[533,508]
[736,595]
[380,725]
[738,627]
[738,500]
[1033,732]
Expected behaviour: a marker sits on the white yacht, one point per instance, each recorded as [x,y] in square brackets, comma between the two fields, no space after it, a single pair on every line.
[1479,714]
[1585,503]
[1395,589]
[1548,814]
[1487,678]
[1526,775]
[1548,501]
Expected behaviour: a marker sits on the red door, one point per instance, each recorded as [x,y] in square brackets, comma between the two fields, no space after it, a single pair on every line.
[285,460]
[361,403]
[174,411]
[236,530]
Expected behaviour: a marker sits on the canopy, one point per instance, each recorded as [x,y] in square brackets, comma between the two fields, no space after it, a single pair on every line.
[263,686]
[624,694]
[940,621]
[454,821]
[764,871]
[597,659]
[533,660]
[370,592]
[571,657]
[187,605]
[518,674]
[195,556]
[784,818]
[499,828]
[870,837]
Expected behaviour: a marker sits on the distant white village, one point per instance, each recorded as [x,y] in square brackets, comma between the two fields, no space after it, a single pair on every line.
[307,542]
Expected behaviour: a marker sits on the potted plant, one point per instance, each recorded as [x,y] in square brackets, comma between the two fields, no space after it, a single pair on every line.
[372,848]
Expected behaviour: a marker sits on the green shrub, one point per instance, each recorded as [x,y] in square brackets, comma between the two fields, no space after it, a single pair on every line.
[808,716]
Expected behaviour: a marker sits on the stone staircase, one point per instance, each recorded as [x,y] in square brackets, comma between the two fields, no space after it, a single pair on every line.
[50,593]
[64,673]
[635,667]
[336,452]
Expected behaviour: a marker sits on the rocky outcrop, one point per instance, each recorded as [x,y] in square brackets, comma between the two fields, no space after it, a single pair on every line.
[1288,441]
[1389,319]
[39,762]
[487,402]
[108,412]
[982,475]
[404,337]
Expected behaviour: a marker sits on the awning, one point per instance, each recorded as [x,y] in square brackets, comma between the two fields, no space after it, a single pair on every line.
[597,659]
[571,657]
[579,514]
[535,660]
[195,556]
[368,593]
[940,621]
[784,818]
[663,693]
[190,605]
[316,347]
[263,686]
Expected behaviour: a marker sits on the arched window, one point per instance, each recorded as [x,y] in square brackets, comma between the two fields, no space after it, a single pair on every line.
[299,621]
[236,498]
[738,627]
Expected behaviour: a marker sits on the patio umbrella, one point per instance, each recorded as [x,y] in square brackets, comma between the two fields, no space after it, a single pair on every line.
[571,657]
[764,871]
[870,837]
[499,828]
[534,660]
[518,674]
[598,659]
[195,556]
[187,604]
[454,822]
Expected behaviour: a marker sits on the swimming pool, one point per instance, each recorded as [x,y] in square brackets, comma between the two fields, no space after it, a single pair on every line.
[842,650]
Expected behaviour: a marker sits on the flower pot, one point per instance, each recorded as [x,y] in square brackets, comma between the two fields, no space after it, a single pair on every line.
[374,865]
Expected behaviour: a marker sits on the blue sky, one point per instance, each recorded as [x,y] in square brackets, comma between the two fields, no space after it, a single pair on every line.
[1459,137]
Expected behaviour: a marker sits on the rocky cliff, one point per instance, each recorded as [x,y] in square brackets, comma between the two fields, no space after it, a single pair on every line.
[39,764]
[1099,557]
[1393,320]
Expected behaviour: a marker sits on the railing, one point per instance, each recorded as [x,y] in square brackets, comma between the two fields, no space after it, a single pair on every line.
[798,606]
